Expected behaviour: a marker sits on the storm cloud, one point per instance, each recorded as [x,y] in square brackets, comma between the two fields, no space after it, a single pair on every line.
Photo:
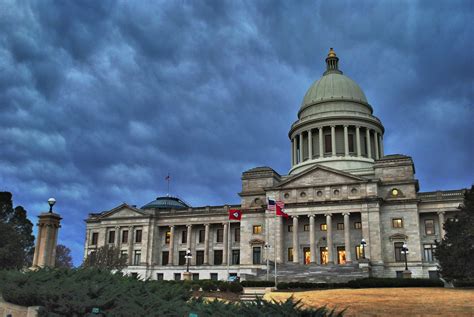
[100,100]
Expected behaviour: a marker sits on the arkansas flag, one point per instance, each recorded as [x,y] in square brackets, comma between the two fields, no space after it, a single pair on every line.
[235,214]
[279,209]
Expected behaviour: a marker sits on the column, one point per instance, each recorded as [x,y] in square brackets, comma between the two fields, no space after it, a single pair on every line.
[301,146]
[358,140]
[310,144]
[441,224]
[188,237]
[321,149]
[130,245]
[312,239]
[381,145]
[296,256]
[294,151]
[206,244]
[333,140]
[347,237]
[226,244]
[171,247]
[117,236]
[369,151]
[346,141]
[329,238]
[376,143]
[38,245]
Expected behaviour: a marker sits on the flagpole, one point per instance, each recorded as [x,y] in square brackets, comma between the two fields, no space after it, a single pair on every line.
[275,249]
[228,247]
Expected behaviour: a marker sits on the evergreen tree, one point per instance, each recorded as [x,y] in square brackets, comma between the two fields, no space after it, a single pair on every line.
[454,252]
[63,257]
[106,257]
[16,234]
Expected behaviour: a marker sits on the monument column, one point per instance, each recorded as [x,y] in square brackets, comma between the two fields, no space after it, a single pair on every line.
[329,238]
[312,239]
[347,237]
[206,243]
[171,247]
[296,258]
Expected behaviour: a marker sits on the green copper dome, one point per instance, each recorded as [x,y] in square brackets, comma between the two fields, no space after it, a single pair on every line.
[166,202]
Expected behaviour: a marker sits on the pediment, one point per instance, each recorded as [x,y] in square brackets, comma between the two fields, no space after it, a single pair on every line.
[320,175]
[123,211]
[256,241]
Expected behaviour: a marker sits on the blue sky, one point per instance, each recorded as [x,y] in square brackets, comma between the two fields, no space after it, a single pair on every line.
[100,100]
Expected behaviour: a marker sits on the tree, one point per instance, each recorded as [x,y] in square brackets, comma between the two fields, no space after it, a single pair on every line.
[454,252]
[16,234]
[63,257]
[106,257]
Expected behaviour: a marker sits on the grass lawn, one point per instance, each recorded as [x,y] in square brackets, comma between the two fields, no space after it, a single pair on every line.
[389,301]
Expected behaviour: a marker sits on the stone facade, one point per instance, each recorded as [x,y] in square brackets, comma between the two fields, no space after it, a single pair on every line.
[340,190]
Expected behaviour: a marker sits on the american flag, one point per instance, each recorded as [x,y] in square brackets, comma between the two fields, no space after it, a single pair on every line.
[273,203]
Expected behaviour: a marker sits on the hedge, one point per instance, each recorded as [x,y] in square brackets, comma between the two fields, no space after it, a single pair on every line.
[364,283]
[257,283]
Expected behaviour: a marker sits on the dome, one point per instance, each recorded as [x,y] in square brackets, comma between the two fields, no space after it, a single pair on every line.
[166,202]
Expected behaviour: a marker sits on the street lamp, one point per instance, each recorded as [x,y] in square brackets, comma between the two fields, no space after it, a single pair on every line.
[363,244]
[267,248]
[51,203]
[405,252]
[188,258]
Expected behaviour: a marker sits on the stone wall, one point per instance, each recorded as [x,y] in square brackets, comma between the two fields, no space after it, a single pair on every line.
[8,309]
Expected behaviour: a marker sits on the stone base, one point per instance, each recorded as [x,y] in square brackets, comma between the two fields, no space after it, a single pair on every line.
[406,274]
[187,276]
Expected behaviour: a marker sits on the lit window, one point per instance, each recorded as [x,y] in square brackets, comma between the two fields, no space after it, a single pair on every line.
[257,229]
[323,227]
[397,223]
[167,237]
[290,254]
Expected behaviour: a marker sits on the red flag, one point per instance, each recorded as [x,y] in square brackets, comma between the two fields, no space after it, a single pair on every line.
[279,209]
[235,214]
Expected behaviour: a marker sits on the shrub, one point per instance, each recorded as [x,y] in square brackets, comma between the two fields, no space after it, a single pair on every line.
[209,286]
[394,282]
[235,287]
[257,283]
[195,287]
[223,286]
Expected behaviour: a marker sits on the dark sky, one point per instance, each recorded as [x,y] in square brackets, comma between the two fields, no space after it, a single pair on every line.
[100,100]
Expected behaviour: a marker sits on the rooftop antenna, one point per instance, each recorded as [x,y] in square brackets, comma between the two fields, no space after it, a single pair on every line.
[168,178]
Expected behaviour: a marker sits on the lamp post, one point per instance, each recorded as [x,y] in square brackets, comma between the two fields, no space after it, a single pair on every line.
[267,250]
[188,258]
[51,203]
[405,252]
[363,244]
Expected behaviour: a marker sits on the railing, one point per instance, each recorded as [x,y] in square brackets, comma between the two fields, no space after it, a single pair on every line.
[442,195]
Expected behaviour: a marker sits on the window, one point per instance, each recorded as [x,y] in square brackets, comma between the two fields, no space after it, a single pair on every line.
[290,254]
[399,274]
[323,227]
[181,258]
[351,143]
[195,276]
[306,228]
[290,228]
[95,237]
[235,256]
[177,276]
[327,144]
[428,252]
[257,229]
[138,236]
[111,236]
[167,237]
[220,235]
[237,234]
[257,255]
[159,276]
[357,225]
[214,276]
[125,236]
[399,256]
[124,254]
[202,235]
[217,257]
[199,257]
[92,256]
[165,256]
[397,223]
[429,227]
[359,253]
[340,226]
[137,257]
[184,236]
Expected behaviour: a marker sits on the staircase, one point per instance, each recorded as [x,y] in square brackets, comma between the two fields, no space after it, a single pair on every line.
[250,294]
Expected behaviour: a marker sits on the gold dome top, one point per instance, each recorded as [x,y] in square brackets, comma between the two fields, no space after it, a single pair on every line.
[331,53]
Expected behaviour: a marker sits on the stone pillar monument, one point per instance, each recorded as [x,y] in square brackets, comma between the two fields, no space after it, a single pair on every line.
[47,238]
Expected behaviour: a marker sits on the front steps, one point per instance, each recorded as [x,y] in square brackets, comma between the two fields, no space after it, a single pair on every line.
[249,294]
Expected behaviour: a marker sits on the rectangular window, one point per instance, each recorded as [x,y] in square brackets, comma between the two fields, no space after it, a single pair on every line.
[214,277]
[235,256]
[217,257]
[177,276]
[323,227]
[159,276]
[359,253]
[429,227]
[290,254]
[257,255]
[199,257]
[95,238]
[195,276]
[257,229]
[357,225]
[399,274]
[219,235]
[306,228]
[399,255]
[202,235]
[111,236]
[138,236]
[428,251]
[125,236]
[290,228]
[340,226]
[184,236]
[327,144]
[351,143]
[167,237]
[137,257]
[237,234]
[397,223]
[165,256]
[181,258]
[124,254]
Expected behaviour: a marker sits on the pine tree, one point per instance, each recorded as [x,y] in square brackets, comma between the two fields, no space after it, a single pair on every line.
[455,251]
[106,257]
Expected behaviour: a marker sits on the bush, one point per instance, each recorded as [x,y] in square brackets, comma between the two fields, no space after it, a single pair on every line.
[394,282]
[257,283]
[464,283]
[195,287]
[235,287]
[223,286]
[209,286]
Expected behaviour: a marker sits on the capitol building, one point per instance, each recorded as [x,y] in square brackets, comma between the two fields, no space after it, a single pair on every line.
[351,208]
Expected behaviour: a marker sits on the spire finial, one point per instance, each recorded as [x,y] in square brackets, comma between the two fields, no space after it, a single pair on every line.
[332,53]
[332,63]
